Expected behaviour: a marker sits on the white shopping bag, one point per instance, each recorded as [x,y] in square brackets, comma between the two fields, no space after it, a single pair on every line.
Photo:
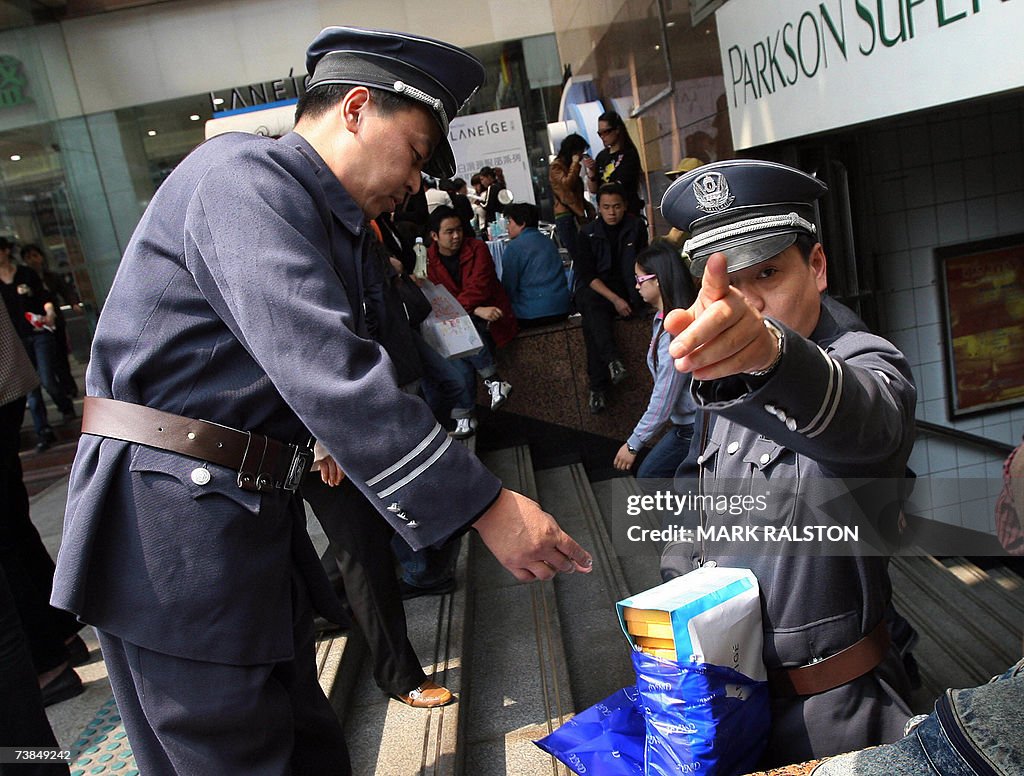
[448,329]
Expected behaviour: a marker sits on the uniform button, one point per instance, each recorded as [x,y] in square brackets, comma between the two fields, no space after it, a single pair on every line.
[791,424]
[781,415]
[201,476]
[770,409]
[700,460]
[765,458]
[733,447]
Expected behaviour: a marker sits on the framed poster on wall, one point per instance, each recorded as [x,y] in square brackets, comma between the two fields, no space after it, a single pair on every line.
[982,299]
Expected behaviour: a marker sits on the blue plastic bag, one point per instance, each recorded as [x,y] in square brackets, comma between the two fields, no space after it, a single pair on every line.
[700,718]
[680,718]
[606,739]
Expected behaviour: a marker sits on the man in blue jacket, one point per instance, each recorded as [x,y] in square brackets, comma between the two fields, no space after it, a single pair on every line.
[233,332]
[532,271]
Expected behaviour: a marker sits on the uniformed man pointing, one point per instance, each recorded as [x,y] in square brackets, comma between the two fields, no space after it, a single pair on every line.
[797,397]
[233,331]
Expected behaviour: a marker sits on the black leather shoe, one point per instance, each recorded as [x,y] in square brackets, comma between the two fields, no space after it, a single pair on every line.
[413,591]
[67,684]
[325,627]
[78,652]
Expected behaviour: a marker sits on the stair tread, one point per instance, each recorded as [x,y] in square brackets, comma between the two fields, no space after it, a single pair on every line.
[386,736]
[519,687]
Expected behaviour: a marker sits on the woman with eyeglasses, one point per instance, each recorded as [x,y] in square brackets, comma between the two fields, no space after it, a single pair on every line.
[618,162]
[665,283]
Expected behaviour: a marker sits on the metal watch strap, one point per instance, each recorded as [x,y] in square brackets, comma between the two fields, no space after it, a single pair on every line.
[779,336]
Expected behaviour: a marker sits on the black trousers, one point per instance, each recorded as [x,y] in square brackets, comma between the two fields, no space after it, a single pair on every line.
[597,318]
[199,718]
[362,542]
[23,556]
[23,721]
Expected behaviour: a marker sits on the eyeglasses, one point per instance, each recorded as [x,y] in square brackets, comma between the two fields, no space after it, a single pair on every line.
[641,279]
[603,132]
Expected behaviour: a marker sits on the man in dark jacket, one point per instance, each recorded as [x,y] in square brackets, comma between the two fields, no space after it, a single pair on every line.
[805,409]
[605,286]
[233,331]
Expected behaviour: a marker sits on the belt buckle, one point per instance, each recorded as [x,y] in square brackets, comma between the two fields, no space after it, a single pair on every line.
[302,459]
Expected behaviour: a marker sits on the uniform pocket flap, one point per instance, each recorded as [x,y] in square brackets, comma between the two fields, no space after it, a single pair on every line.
[198,478]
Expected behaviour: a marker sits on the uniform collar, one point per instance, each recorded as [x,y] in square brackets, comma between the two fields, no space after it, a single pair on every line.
[338,199]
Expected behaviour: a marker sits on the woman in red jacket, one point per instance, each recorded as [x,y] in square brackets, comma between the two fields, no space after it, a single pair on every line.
[463,265]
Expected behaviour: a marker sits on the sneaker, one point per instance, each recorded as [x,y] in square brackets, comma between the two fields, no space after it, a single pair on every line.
[464,428]
[597,402]
[45,440]
[617,371]
[499,391]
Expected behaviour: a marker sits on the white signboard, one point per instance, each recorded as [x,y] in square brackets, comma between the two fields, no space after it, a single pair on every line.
[493,139]
[795,67]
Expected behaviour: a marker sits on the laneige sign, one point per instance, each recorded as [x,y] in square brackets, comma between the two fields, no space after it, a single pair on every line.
[794,67]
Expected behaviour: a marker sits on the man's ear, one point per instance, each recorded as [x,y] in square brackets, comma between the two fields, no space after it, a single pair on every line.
[818,264]
[356,103]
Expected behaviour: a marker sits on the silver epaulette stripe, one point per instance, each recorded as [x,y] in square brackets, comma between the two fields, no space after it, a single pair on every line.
[408,457]
[417,471]
[836,398]
[828,394]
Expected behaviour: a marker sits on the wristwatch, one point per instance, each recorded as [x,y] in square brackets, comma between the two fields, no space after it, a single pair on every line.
[779,336]
[631,449]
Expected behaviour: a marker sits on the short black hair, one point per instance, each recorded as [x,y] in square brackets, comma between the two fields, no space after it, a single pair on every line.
[805,244]
[316,102]
[611,189]
[441,212]
[523,213]
[488,172]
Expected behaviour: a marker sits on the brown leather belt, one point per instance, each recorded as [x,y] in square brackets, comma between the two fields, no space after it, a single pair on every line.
[263,464]
[835,670]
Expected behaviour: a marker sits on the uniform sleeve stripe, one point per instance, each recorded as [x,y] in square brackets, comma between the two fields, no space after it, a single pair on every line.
[417,471]
[405,459]
[835,400]
[828,393]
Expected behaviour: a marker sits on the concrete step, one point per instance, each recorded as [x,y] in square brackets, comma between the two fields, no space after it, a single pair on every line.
[518,681]
[641,562]
[387,737]
[596,648]
[970,626]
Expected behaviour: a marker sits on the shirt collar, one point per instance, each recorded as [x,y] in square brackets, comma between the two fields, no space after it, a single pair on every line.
[338,199]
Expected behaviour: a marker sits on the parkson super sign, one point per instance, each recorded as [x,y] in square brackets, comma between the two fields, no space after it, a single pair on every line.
[792,68]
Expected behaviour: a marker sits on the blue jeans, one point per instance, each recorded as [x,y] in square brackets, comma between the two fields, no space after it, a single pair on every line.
[443,385]
[427,567]
[661,463]
[42,351]
[568,232]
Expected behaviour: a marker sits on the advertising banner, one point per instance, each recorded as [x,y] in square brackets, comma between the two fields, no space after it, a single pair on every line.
[796,67]
[493,139]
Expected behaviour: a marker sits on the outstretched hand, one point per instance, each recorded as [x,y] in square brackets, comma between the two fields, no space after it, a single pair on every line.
[527,541]
[721,334]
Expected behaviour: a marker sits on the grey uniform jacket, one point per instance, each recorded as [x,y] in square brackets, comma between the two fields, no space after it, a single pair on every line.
[239,301]
[834,421]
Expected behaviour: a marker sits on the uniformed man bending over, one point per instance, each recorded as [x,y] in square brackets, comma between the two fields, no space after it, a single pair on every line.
[234,330]
[797,395]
